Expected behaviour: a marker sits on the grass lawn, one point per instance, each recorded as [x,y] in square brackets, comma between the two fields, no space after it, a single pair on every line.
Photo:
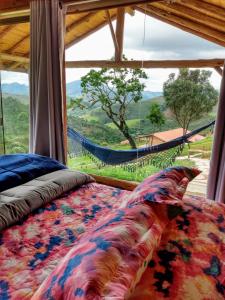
[130,123]
[204,145]
[86,165]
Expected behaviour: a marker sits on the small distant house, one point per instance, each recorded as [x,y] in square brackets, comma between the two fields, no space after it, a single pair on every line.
[164,136]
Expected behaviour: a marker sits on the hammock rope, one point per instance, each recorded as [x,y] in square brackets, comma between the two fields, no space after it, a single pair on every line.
[162,155]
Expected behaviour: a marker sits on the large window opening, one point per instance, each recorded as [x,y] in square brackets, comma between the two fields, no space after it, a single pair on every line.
[93,122]
[14,66]
[15,112]
[148,118]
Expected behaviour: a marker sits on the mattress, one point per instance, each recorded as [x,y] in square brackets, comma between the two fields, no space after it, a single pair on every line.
[186,262]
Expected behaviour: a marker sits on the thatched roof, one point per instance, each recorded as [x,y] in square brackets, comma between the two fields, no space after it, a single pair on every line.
[204,18]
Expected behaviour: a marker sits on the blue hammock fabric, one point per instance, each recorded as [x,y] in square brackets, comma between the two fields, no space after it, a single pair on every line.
[119,157]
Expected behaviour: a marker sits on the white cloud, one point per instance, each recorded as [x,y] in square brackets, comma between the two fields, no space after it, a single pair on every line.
[163,41]
[9,77]
[157,41]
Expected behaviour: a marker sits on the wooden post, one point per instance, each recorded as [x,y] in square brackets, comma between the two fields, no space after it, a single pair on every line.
[120,33]
[64,107]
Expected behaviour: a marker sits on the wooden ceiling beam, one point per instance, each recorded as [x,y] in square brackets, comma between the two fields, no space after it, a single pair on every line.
[13,5]
[5,31]
[205,8]
[15,66]
[210,63]
[14,58]
[4,67]
[191,14]
[91,31]
[17,44]
[14,20]
[186,22]
[134,64]
[120,19]
[149,64]
[80,21]
[179,23]
[199,63]
[218,3]
[12,12]
[93,5]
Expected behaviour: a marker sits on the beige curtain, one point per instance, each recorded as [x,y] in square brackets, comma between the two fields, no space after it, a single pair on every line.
[216,181]
[46,78]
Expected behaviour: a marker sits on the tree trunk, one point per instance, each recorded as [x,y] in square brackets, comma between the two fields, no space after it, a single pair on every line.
[123,128]
[125,132]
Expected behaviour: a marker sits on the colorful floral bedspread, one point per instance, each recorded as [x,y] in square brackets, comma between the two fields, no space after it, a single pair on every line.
[30,250]
[189,264]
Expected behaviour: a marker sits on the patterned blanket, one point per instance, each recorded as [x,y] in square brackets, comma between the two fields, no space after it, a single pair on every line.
[187,265]
[30,250]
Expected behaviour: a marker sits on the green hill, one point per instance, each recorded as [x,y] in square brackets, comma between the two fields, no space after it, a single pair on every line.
[135,111]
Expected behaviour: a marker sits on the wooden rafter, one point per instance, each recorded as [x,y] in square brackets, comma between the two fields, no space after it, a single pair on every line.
[87,5]
[5,31]
[193,25]
[18,61]
[17,65]
[20,69]
[112,31]
[18,11]
[201,63]
[14,20]
[13,5]
[80,21]
[219,70]
[18,43]
[205,8]
[14,58]
[91,31]
[120,32]
[182,24]
[191,14]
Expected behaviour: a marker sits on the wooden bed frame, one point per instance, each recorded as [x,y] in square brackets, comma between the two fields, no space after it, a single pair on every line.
[122,184]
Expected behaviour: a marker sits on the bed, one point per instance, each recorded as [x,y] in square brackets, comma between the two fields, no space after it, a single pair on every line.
[92,241]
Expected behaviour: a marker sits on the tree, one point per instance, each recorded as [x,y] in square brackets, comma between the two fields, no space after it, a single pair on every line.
[113,90]
[189,96]
[156,116]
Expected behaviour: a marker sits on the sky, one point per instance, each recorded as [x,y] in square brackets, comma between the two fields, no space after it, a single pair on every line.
[145,38]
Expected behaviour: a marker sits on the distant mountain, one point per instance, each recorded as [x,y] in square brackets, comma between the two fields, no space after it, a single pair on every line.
[15,88]
[150,95]
[73,90]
